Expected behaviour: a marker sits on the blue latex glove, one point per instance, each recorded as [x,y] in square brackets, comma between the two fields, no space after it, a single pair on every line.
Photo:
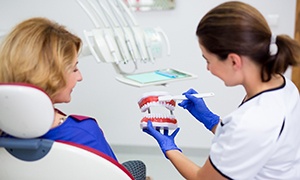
[198,108]
[165,141]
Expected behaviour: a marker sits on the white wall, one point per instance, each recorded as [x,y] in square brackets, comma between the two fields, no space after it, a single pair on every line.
[115,104]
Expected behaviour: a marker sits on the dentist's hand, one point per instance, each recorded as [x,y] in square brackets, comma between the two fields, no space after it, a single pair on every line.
[165,141]
[198,108]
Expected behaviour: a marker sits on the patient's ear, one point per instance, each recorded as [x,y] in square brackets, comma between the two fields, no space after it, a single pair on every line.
[235,60]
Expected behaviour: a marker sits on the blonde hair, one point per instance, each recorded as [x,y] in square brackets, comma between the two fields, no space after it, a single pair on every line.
[38,51]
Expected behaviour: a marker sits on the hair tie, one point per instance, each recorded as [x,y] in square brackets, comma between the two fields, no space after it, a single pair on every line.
[273,46]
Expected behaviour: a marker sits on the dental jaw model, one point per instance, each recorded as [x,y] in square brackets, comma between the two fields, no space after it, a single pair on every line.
[160,120]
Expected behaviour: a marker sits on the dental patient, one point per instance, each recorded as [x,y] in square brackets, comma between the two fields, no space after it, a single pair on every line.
[43,53]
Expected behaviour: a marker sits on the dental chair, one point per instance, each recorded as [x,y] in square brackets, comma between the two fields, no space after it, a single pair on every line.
[26,113]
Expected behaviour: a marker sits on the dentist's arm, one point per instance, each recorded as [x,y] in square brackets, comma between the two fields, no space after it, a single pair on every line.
[191,171]
[185,167]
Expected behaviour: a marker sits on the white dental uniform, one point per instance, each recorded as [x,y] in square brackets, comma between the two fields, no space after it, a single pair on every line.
[261,139]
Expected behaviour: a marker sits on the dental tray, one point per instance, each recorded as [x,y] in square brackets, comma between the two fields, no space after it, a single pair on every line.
[157,77]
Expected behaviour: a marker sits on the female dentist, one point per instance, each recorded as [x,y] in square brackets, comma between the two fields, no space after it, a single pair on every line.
[260,139]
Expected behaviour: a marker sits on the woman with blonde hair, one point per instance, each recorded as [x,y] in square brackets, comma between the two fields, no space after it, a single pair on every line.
[41,53]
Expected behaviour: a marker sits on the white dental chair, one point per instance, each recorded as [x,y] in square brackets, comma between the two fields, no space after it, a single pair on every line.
[26,112]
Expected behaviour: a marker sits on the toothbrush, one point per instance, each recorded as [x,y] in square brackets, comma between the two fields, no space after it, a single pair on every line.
[182,97]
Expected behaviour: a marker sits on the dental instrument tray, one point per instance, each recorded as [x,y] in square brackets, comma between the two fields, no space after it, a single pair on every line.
[156,77]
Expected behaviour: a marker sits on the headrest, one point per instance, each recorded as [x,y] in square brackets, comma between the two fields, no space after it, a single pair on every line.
[25,110]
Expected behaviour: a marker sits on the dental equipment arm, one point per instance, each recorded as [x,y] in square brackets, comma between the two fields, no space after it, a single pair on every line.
[118,39]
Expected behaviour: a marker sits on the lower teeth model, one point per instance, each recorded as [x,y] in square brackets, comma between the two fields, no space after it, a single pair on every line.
[149,102]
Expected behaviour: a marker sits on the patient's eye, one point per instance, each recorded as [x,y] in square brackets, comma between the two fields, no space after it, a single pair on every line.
[76,69]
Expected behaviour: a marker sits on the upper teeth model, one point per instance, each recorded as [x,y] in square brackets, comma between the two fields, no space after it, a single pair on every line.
[149,102]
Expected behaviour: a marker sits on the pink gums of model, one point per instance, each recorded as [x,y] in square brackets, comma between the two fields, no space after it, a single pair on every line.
[148,102]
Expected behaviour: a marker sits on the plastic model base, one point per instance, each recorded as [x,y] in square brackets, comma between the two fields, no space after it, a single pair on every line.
[159,125]
[148,102]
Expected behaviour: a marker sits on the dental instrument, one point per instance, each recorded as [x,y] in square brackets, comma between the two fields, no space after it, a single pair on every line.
[133,28]
[118,16]
[182,97]
[166,74]
[109,19]
[107,38]
[105,34]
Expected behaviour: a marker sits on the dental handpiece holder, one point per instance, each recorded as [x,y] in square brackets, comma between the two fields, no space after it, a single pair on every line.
[107,47]
[118,39]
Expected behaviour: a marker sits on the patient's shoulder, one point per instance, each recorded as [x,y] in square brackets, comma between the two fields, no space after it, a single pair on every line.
[75,116]
[81,117]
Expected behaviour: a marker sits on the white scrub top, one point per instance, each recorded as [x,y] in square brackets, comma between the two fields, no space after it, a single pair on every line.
[261,139]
